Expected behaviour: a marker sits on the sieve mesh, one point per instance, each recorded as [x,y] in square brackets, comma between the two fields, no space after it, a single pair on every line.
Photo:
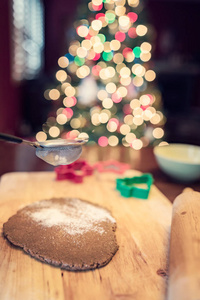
[59,155]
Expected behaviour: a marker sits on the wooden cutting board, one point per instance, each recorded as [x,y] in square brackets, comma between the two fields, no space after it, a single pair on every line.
[137,271]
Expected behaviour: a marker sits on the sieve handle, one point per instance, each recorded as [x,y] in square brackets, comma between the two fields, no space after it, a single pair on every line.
[10,138]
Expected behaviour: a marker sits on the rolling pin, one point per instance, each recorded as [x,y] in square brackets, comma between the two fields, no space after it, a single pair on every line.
[184,254]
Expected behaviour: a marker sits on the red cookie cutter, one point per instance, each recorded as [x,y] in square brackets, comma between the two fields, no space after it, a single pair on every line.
[111,166]
[74,172]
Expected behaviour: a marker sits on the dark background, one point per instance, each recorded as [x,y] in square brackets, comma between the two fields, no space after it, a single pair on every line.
[176,57]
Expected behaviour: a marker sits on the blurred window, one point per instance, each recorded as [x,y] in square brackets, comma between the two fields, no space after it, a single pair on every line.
[27,38]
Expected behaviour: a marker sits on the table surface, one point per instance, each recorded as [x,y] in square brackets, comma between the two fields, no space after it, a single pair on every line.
[22,158]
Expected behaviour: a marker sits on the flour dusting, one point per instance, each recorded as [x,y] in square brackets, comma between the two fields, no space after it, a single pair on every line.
[75,216]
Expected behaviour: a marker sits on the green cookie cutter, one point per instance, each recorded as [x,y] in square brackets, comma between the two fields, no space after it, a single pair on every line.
[128,187]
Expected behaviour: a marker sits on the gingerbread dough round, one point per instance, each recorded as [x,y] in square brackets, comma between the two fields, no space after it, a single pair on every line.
[67,232]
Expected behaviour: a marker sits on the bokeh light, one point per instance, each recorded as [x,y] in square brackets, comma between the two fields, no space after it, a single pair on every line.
[137,51]
[120,10]
[54,131]
[124,21]
[130,137]
[70,91]
[96,25]
[69,101]
[83,135]
[137,144]
[103,141]
[116,97]
[111,87]
[103,118]
[133,3]
[113,141]
[61,75]
[63,62]
[158,133]
[54,94]
[146,47]
[110,16]
[150,75]
[112,125]
[111,51]
[145,56]
[124,129]
[82,31]
[132,33]
[102,94]
[115,45]
[75,123]
[107,103]
[68,112]
[132,16]
[107,56]
[120,36]
[61,119]
[41,136]
[118,58]
[141,30]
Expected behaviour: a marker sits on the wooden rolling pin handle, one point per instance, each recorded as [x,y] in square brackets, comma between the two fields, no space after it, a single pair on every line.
[184,262]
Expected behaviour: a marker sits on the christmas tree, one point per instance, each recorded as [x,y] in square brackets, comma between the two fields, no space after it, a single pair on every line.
[106,89]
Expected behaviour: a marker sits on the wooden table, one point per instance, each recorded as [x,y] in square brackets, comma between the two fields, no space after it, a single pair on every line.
[139,268]
[14,158]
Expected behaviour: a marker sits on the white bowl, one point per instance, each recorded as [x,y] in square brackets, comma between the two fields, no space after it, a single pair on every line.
[180,161]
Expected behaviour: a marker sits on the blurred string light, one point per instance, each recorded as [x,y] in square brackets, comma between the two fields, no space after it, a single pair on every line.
[106,83]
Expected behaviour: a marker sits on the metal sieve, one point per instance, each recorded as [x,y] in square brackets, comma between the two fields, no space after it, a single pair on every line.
[55,152]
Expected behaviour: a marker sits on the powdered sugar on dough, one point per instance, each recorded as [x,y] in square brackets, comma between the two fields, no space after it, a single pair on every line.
[75,216]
